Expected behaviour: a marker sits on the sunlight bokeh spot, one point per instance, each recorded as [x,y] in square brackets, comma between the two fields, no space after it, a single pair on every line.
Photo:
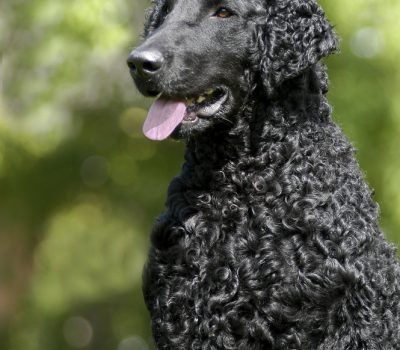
[89,252]
[131,121]
[367,42]
[133,343]
[94,171]
[78,332]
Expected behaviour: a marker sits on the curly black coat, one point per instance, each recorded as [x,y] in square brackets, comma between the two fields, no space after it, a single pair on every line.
[270,239]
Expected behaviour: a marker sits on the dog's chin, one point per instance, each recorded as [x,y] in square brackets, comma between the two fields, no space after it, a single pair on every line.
[200,120]
[186,130]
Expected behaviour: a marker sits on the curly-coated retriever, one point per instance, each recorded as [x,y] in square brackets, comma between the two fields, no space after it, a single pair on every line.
[270,237]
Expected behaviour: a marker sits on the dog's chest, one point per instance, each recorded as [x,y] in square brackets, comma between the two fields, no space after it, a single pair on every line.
[217,259]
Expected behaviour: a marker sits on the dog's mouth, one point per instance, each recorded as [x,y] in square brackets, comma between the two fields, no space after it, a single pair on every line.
[167,113]
[205,105]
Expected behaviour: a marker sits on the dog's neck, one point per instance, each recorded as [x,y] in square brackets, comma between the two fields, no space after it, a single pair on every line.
[296,104]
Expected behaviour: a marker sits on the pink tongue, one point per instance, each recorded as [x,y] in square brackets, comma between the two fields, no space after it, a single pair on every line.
[163,117]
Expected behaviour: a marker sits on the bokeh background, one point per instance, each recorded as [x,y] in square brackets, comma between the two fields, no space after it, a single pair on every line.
[80,186]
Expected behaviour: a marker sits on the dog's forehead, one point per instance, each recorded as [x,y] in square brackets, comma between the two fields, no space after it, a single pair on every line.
[240,5]
[236,3]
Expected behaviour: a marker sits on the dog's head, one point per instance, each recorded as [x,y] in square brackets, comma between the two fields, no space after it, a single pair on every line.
[203,57]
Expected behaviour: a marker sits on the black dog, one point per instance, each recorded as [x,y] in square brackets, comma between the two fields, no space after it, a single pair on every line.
[270,239]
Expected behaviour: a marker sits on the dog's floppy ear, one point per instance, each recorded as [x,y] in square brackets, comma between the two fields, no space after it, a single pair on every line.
[294,35]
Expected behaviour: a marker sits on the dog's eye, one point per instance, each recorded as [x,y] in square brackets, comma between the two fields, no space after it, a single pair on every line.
[223,12]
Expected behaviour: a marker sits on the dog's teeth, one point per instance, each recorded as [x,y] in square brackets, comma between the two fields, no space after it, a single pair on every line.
[210,91]
[200,99]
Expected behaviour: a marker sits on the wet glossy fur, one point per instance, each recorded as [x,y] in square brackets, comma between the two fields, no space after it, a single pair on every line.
[270,237]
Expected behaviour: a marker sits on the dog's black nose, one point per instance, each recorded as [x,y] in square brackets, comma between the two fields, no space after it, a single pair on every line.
[145,62]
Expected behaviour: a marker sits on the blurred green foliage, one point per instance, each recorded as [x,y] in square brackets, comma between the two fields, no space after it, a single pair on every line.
[80,186]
